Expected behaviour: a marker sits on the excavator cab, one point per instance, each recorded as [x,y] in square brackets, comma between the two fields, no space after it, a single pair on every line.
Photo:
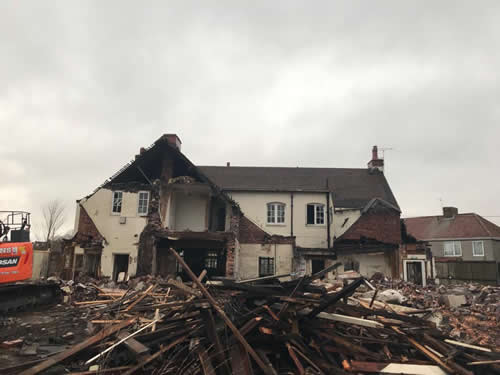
[16,250]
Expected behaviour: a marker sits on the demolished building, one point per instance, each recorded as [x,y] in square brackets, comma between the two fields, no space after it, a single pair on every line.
[235,222]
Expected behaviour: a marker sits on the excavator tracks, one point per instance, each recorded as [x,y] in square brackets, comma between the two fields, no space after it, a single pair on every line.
[26,295]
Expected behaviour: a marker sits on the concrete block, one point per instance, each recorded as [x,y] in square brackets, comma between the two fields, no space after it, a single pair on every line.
[451,300]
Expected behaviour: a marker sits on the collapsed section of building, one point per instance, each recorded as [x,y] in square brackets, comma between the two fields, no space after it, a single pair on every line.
[235,222]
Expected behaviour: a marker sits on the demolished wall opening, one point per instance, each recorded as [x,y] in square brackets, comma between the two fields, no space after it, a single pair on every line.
[120,264]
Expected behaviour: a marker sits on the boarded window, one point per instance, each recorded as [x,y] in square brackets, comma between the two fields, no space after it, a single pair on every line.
[266,266]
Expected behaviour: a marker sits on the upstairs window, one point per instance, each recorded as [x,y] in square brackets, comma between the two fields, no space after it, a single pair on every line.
[452,249]
[275,213]
[315,214]
[117,202]
[266,266]
[211,260]
[142,208]
[478,248]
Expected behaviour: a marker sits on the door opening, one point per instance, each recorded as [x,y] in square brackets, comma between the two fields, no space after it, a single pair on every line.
[317,265]
[120,265]
[414,272]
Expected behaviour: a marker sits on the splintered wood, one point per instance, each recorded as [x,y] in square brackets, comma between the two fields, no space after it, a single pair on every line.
[260,326]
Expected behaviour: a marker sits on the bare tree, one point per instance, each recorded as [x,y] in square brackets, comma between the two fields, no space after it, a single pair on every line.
[53,215]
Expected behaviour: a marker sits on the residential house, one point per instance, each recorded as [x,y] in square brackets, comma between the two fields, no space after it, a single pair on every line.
[464,246]
[237,222]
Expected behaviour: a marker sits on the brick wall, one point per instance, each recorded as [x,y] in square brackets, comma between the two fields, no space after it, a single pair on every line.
[251,233]
[383,226]
[87,231]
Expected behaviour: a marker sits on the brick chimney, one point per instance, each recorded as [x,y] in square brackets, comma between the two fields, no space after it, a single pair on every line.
[450,212]
[376,162]
[173,140]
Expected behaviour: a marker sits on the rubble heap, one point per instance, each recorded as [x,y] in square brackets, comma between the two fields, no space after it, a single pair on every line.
[261,326]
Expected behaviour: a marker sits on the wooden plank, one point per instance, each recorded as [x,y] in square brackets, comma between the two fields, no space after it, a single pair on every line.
[223,315]
[468,346]
[77,348]
[220,354]
[133,345]
[156,355]
[206,364]
[117,370]
[477,363]
[183,287]
[98,302]
[240,363]
[395,368]
[149,290]
[299,366]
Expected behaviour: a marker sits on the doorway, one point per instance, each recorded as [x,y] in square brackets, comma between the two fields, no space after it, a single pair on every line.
[120,264]
[317,265]
[414,272]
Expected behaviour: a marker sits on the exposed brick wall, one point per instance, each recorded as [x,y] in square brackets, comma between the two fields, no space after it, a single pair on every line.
[87,231]
[234,227]
[380,225]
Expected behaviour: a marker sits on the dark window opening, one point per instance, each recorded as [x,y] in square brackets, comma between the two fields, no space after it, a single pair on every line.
[351,265]
[317,265]
[266,266]
[310,214]
[120,265]
[211,260]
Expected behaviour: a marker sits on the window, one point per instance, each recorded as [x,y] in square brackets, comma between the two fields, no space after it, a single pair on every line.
[452,249]
[315,213]
[211,260]
[142,208]
[266,266]
[117,202]
[477,248]
[275,213]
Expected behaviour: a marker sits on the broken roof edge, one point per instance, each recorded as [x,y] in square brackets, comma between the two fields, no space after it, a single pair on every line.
[162,141]
[372,202]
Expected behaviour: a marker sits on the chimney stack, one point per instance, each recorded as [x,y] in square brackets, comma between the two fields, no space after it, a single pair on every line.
[450,212]
[173,140]
[376,162]
[228,164]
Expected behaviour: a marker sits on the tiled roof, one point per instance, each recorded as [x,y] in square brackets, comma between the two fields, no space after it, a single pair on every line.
[461,226]
[351,187]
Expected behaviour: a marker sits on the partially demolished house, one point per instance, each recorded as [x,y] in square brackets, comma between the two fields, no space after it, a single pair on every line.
[236,222]
[463,246]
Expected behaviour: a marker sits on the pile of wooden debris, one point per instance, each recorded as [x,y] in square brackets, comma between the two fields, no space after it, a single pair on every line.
[262,326]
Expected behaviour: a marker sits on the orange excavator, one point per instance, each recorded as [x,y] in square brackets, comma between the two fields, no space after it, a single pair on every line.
[17,288]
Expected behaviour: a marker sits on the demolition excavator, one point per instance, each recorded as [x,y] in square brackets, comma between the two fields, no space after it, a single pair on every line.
[18,291]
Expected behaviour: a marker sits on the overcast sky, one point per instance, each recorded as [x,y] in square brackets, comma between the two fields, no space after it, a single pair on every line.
[83,85]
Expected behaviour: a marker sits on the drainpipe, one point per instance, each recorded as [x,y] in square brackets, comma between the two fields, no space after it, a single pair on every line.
[291,214]
[328,218]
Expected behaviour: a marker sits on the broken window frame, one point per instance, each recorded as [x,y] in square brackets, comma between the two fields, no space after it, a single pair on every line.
[474,244]
[142,203]
[276,213]
[318,214]
[456,249]
[117,202]
[266,266]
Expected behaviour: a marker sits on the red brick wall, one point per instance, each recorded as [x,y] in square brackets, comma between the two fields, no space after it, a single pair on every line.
[87,231]
[252,233]
[381,226]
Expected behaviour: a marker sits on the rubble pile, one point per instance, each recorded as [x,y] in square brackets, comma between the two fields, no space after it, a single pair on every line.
[261,326]
[468,312]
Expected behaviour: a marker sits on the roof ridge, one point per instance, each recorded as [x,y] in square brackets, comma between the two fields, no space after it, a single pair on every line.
[271,167]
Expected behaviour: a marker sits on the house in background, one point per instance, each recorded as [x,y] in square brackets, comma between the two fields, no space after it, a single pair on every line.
[464,246]
[236,222]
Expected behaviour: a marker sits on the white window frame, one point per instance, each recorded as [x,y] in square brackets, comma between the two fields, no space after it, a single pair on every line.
[482,249]
[139,203]
[316,205]
[113,202]
[275,215]
[457,245]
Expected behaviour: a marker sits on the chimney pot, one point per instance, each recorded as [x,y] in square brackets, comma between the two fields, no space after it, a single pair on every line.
[142,150]
[450,212]
[228,164]
[376,162]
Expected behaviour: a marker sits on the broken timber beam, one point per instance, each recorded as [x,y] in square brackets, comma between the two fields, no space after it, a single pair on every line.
[223,315]
[77,348]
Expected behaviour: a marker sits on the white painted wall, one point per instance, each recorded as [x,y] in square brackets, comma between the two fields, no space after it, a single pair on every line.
[254,206]
[121,238]
[249,258]
[190,211]
[339,217]
[368,263]
[40,264]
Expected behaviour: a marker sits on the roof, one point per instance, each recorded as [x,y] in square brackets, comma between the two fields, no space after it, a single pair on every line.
[467,225]
[351,187]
